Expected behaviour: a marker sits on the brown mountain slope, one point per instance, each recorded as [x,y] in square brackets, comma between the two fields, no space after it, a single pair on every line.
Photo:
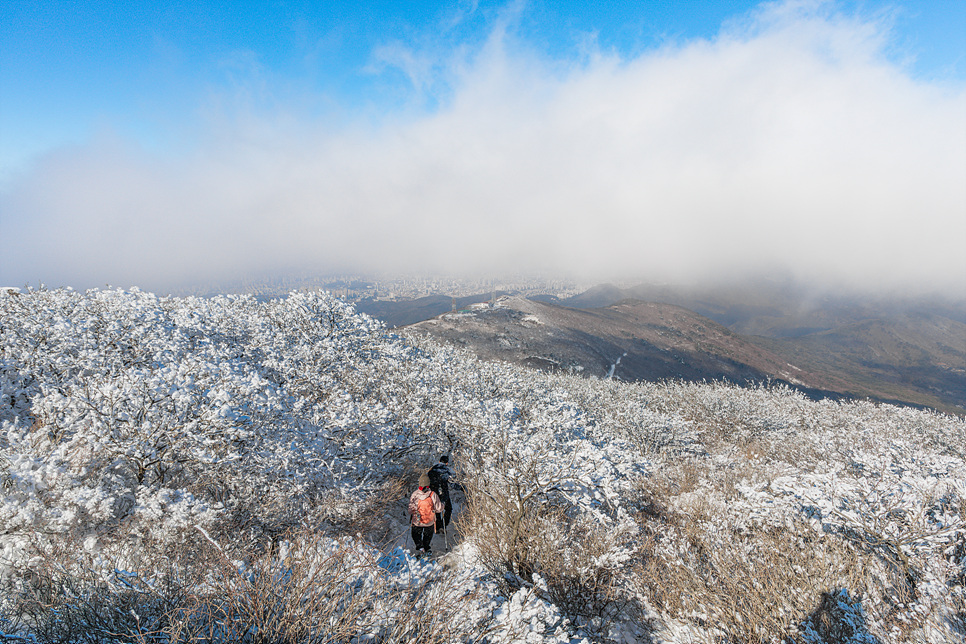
[898,349]
[630,340]
[918,358]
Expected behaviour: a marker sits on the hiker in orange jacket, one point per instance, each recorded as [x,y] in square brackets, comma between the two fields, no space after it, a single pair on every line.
[423,506]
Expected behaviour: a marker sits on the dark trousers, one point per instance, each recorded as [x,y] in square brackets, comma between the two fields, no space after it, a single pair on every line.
[422,537]
[442,518]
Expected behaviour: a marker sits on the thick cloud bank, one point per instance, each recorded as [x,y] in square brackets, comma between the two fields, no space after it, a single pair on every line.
[790,141]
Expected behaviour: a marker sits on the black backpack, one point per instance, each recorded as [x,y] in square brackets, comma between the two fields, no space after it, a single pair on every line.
[438,482]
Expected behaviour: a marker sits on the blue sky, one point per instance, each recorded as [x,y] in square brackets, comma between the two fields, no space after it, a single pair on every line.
[144,69]
[207,100]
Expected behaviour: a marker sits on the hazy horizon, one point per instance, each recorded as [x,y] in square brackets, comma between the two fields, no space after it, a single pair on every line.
[794,138]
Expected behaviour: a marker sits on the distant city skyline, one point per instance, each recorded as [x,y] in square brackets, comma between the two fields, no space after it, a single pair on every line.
[161,145]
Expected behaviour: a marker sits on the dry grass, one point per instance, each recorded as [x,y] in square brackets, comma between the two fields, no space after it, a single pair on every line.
[760,583]
[751,586]
[309,590]
[318,594]
[527,536]
[512,535]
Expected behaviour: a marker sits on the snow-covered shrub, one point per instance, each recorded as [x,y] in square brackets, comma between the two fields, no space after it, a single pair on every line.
[306,589]
[123,408]
[515,511]
[539,516]
[752,586]
[131,426]
[793,484]
[633,412]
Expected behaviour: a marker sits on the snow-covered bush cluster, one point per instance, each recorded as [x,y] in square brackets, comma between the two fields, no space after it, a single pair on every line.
[126,408]
[197,465]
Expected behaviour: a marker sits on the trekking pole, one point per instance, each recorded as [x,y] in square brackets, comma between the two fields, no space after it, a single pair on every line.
[445,534]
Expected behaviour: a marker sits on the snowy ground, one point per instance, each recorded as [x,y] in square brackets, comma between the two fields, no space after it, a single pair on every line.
[279,442]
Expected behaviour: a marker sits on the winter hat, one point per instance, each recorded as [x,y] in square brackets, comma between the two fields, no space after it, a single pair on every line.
[424,480]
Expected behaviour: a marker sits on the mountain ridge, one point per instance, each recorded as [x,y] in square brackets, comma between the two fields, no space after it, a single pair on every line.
[899,352]
[630,340]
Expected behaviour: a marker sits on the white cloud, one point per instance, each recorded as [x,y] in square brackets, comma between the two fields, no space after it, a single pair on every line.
[788,142]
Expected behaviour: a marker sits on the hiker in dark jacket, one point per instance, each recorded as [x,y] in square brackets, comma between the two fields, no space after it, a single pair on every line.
[439,477]
[424,507]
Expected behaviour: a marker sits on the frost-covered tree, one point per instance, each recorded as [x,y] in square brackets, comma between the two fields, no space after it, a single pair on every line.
[204,445]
